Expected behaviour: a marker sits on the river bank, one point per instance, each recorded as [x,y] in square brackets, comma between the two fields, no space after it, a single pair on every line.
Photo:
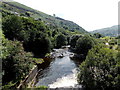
[56,71]
[61,72]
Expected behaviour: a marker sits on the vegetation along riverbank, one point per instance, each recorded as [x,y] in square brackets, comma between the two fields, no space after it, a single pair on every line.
[29,37]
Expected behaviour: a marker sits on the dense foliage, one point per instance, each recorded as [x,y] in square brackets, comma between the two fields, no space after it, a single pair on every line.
[22,36]
[97,35]
[73,40]
[61,40]
[29,34]
[32,33]
[101,69]
[83,44]
[16,63]
[12,26]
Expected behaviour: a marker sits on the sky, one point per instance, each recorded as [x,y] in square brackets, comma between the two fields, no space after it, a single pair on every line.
[89,14]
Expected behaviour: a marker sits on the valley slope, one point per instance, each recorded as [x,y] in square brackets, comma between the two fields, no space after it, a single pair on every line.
[110,31]
[53,21]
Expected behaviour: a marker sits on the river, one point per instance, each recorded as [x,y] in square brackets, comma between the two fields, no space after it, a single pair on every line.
[61,72]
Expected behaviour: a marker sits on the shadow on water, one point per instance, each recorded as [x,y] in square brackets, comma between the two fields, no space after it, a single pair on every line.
[77,62]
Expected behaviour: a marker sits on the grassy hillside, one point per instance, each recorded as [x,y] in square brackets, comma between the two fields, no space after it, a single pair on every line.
[110,31]
[22,10]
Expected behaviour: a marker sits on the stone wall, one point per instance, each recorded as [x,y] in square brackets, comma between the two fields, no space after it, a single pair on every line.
[30,79]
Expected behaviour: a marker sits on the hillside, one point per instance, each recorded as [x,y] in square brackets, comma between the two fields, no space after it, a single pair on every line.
[110,31]
[53,21]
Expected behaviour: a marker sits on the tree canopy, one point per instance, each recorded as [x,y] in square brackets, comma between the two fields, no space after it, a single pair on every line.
[84,44]
[100,69]
[61,40]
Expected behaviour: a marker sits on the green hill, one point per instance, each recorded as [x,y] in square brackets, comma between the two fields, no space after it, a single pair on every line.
[110,31]
[53,21]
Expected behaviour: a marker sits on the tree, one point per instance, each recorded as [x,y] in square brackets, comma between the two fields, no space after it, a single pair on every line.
[31,32]
[12,25]
[84,44]
[61,40]
[98,35]
[28,14]
[73,40]
[39,44]
[15,61]
[100,69]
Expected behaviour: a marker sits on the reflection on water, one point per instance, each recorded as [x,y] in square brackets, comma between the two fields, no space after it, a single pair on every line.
[60,73]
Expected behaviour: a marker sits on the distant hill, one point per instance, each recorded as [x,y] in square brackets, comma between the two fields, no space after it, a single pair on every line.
[53,21]
[110,31]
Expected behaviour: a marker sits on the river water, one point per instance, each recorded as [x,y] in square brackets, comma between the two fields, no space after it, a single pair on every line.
[61,72]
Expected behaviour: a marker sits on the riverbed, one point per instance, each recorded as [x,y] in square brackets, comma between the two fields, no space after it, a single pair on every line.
[61,72]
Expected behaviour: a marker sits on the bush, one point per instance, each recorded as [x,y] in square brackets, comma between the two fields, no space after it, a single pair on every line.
[101,69]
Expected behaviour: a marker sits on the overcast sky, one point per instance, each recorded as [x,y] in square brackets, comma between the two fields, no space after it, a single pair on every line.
[90,14]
